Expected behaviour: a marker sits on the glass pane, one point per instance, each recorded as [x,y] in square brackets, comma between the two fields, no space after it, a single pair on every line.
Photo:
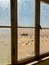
[44,32]
[26,13]
[5,46]
[26,19]
[5,13]
[26,43]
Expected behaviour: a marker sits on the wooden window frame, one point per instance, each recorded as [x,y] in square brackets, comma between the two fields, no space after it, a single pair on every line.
[14,35]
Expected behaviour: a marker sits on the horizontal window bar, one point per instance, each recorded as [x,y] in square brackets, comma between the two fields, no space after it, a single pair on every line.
[28,60]
[33,59]
[46,1]
[44,55]
[25,27]
[5,26]
[31,27]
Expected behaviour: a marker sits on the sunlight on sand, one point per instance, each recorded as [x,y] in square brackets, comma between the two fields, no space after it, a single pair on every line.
[26,44]
[5,46]
[44,41]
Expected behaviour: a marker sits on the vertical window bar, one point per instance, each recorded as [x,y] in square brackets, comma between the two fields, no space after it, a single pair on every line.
[37,31]
[12,37]
[14,31]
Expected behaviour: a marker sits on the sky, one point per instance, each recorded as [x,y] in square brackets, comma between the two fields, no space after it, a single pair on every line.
[5,12]
[44,15]
[26,13]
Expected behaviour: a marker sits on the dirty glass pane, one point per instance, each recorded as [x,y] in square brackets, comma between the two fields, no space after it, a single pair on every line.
[5,46]
[44,32]
[5,13]
[26,35]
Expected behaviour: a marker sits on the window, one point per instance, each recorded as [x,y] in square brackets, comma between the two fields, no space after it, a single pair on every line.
[27,25]
[44,32]
[26,28]
[24,23]
[5,32]
[5,13]
[21,32]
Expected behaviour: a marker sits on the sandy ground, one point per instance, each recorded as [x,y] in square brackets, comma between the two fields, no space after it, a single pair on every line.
[44,41]
[26,44]
[5,46]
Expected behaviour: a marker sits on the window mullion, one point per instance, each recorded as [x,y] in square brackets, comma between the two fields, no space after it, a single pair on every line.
[14,31]
[5,26]
[37,31]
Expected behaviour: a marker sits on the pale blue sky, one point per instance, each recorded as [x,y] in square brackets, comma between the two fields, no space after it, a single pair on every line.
[26,13]
[5,12]
[44,15]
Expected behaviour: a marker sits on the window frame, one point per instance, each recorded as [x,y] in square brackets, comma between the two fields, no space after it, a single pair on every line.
[14,35]
[37,22]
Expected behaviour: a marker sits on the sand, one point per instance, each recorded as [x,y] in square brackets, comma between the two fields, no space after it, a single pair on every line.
[5,46]
[26,44]
[44,41]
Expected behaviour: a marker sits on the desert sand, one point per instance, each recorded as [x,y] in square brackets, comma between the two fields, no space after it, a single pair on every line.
[26,44]
[5,46]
